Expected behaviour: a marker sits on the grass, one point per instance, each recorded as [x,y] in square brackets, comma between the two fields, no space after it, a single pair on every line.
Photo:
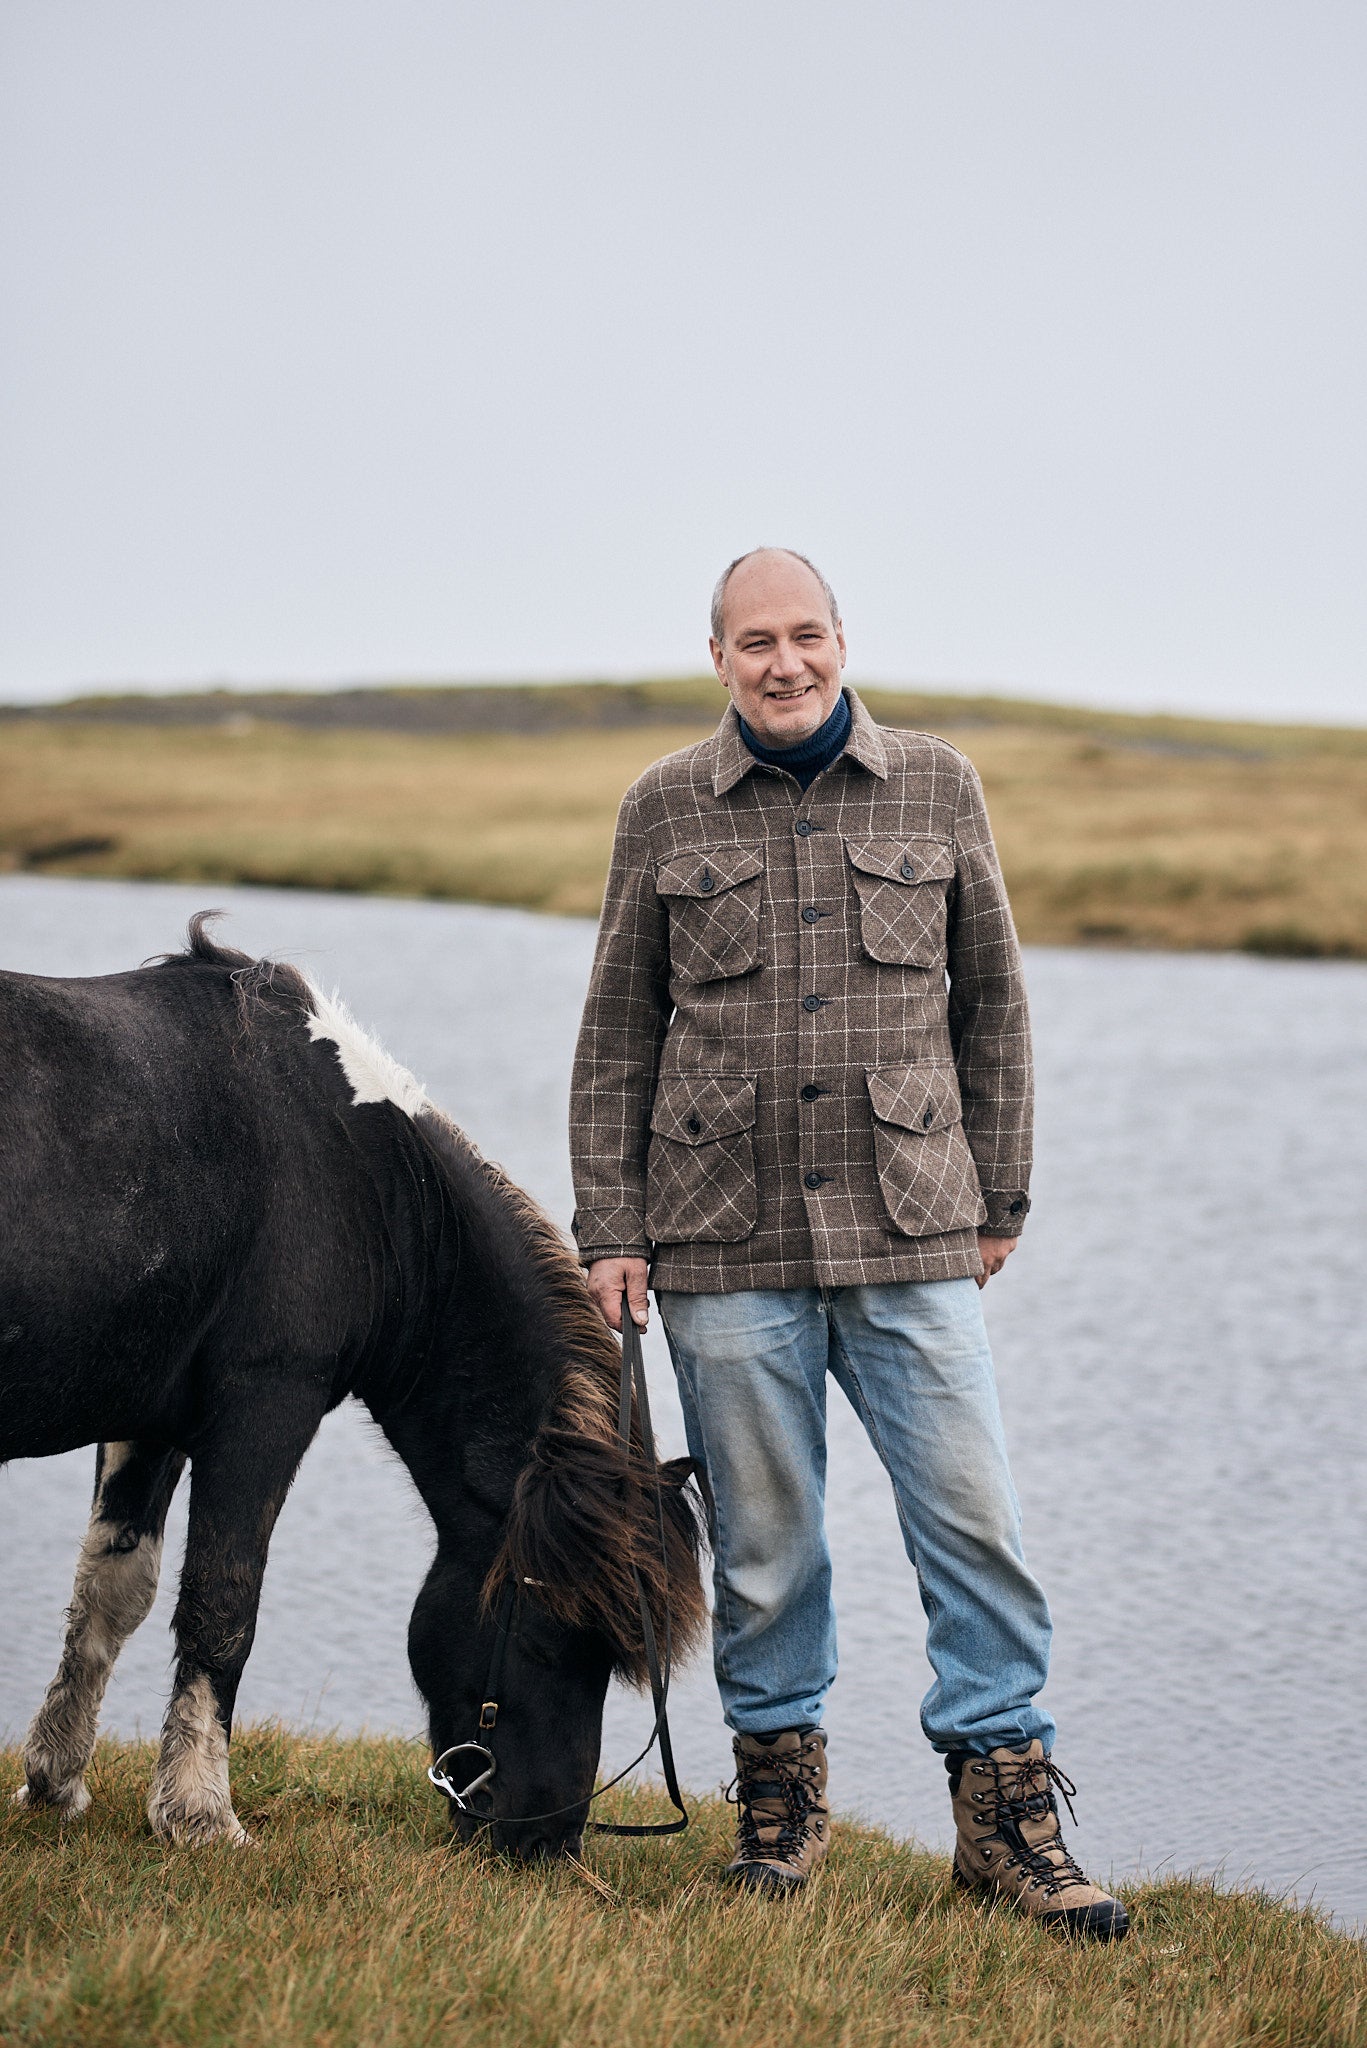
[353,1921]
[1113,830]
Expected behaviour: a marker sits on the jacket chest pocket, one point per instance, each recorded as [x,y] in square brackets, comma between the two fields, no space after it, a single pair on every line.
[713,896]
[903,889]
[926,1172]
[700,1170]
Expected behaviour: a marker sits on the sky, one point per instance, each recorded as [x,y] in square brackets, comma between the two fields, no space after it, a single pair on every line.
[370,339]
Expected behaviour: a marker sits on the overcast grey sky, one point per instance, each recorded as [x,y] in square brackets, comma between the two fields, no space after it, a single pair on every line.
[346,340]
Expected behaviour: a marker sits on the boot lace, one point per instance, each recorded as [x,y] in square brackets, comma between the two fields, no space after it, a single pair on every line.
[1025,1792]
[763,1777]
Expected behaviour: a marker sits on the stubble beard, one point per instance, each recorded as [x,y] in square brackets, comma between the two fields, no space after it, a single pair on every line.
[784,735]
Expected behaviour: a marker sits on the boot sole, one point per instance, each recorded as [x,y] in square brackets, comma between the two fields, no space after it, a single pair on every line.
[1076,1923]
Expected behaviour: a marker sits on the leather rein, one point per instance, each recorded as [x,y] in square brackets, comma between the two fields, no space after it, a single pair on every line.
[657,1668]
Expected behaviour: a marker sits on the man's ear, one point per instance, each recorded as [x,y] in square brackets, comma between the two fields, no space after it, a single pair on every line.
[719,662]
[840,643]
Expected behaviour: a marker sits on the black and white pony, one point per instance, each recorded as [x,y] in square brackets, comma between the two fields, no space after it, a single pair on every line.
[223,1209]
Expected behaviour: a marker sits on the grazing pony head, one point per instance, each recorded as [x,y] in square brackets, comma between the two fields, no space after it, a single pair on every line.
[585,1519]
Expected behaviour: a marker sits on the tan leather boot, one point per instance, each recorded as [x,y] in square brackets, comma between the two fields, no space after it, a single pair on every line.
[1010,1843]
[783,1823]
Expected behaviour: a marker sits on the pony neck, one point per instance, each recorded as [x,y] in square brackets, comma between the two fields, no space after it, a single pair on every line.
[464,1407]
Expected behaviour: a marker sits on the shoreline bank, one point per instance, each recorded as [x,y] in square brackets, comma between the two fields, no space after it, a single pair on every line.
[353,1920]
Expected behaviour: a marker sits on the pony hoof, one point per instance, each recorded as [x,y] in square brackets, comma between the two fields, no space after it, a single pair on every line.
[200,1830]
[68,1800]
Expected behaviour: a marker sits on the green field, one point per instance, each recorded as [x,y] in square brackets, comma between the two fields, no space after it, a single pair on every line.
[1114,830]
[352,1923]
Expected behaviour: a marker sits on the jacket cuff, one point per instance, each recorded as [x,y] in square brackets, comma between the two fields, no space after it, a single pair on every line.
[1006,1212]
[616,1235]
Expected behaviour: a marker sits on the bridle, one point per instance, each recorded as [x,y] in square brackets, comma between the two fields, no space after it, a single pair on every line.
[657,1668]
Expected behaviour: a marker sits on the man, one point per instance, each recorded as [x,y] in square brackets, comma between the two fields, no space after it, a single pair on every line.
[801,1109]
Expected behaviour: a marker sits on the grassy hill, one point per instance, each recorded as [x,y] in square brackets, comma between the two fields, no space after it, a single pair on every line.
[1114,829]
[352,1923]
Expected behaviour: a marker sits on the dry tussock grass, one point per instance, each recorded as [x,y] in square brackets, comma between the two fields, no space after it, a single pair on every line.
[352,1921]
[1112,831]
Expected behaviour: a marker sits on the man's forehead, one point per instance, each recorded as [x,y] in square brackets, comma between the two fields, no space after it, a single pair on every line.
[773,582]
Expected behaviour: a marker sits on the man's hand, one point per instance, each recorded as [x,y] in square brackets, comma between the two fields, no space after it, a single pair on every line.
[608,1277]
[993,1251]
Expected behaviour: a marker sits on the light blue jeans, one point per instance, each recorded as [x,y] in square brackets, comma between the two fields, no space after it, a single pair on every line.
[914,1361]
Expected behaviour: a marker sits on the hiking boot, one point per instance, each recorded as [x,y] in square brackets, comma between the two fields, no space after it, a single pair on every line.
[1010,1843]
[783,1823]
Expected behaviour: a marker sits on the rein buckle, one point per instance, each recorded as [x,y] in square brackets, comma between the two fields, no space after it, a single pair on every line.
[488,1715]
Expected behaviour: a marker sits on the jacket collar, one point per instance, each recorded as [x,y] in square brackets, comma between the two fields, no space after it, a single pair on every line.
[732,759]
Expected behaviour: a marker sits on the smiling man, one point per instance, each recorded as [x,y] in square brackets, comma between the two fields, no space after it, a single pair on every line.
[801,1111]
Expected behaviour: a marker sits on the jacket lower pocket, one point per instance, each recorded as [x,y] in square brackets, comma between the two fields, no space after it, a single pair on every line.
[700,1170]
[926,1173]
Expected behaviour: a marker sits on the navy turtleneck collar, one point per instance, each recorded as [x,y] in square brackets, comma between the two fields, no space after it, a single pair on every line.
[807,759]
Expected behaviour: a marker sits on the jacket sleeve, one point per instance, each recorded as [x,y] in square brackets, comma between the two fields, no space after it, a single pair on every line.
[988,1019]
[617,1059]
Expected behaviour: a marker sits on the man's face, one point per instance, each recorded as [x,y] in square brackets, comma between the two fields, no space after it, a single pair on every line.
[779,656]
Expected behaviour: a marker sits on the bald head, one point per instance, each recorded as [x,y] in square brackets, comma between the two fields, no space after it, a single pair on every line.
[759,558]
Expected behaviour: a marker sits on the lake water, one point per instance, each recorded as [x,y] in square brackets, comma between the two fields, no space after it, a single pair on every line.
[1180,1343]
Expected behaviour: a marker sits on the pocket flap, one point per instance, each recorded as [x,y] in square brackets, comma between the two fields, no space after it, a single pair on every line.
[708,870]
[695,1108]
[902,860]
[923,1097]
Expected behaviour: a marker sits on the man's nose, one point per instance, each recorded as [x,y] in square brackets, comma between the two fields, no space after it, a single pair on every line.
[789,662]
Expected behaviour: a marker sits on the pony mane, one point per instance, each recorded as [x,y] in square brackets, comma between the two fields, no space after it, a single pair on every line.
[373,1075]
[584,1518]
[254,981]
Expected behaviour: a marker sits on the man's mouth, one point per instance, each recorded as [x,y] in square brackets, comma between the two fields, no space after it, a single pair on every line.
[789,696]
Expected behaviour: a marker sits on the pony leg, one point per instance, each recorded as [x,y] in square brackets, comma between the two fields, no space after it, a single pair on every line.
[116,1583]
[238,1485]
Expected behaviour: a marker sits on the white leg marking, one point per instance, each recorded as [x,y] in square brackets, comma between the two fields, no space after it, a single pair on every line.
[190,1802]
[114,1591]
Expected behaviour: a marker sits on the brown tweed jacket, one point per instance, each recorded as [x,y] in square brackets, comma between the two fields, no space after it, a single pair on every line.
[805,1053]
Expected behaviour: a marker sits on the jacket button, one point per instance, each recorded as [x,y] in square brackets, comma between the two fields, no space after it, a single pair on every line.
[929,1118]
[907,871]
[694,1125]
[812,1002]
[811,914]
[813,1180]
[803,828]
[810,1092]
[706,884]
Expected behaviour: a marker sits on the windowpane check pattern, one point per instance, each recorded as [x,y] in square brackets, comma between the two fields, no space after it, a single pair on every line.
[805,1053]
